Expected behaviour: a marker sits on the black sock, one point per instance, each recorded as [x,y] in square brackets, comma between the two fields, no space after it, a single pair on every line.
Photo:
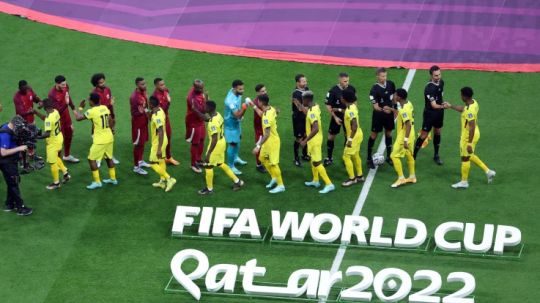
[304,151]
[296,146]
[330,148]
[370,144]
[417,146]
[388,142]
[436,144]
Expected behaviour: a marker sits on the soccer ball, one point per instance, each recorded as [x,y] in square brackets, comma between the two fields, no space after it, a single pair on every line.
[378,159]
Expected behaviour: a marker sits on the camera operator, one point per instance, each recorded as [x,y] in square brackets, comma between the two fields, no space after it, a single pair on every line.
[9,156]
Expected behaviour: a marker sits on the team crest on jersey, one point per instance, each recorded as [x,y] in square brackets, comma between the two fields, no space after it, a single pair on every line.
[265,121]
[213,128]
[470,115]
[404,115]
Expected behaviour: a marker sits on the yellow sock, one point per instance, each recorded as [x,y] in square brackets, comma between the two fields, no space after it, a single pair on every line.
[269,169]
[315,173]
[160,171]
[95,175]
[349,166]
[112,173]
[61,165]
[229,172]
[410,163]
[397,166]
[322,173]
[479,163]
[465,168]
[358,165]
[209,178]
[163,166]
[277,174]
[54,173]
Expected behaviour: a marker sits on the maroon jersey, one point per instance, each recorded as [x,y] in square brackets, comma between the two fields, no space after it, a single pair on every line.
[24,104]
[138,102]
[105,97]
[164,99]
[61,98]
[257,120]
[199,100]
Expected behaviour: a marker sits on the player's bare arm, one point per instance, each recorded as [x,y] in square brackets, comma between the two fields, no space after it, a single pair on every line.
[313,133]
[354,128]
[213,143]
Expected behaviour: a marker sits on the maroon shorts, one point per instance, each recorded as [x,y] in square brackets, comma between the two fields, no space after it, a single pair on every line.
[258,134]
[139,129]
[195,133]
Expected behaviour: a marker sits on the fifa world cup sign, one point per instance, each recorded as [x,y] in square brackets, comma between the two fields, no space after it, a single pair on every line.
[316,283]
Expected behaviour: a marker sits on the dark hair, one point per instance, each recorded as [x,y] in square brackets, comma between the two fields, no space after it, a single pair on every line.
[211,104]
[298,77]
[138,79]
[258,87]
[96,77]
[47,103]
[380,70]
[59,79]
[343,75]
[156,81]
[154,101]
[94,97]
[349,95]
[236,83]
[307,95]
[434,68]
[467,92]
[264,99]
[22,83]
[402,93]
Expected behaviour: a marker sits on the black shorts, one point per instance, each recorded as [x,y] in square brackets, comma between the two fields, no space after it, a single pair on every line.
[299,126]
[432,119]
[334,128]
[380,120]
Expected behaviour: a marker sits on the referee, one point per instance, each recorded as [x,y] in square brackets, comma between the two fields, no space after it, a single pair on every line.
[381,95]
[299,118]
[433,113]
[336,109]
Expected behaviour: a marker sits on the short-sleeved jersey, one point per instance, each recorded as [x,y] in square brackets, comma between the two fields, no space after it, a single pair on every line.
[351,113]
[333,96]
[297,94]
[433,92]
[233,103]
[198,99]
[99,115]
[405,113]
[314,115]
[158,120]
[215,126]
[382,94]
[269,121]
[52,125]
[470,113]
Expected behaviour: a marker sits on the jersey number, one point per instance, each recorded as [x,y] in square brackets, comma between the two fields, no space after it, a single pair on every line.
[105,121]
[56,128]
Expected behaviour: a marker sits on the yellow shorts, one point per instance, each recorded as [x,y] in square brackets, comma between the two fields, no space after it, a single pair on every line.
[314,151]
[218,154]
[153,151]
[270,152]
[355,146]
[463,147]
[398,150]
[52,152]
[100,151]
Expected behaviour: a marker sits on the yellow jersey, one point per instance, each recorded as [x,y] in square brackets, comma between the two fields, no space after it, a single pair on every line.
[157,121]
[99,115]
[269,121]
[52,125]
[351,113]
[314,115]
[215,126]
[405,113]
[470,113]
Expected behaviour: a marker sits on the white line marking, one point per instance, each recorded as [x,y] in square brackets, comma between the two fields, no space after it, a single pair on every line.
[365,188]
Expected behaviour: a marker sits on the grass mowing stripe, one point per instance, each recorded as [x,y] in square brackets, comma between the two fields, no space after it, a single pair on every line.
[365,189]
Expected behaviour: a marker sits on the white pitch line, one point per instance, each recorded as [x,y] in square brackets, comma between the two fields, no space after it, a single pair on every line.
[365,188]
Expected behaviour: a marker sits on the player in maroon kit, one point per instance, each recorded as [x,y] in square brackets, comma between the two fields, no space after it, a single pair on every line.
[24,100]
[162,94]
[139,125]
[260,89]
[105,97]
[62,100]
[195,117]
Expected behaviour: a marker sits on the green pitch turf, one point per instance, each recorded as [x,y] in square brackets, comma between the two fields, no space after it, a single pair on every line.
[114,244]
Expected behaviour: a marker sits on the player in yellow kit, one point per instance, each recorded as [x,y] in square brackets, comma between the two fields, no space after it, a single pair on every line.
[159,145]
[314,143]
[351,152]
[102,146]
[404,139]
[215,153]
[54,141]
[269,145]
[470,134]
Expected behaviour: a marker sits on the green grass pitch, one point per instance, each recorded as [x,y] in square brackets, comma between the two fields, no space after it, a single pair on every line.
[114,244]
